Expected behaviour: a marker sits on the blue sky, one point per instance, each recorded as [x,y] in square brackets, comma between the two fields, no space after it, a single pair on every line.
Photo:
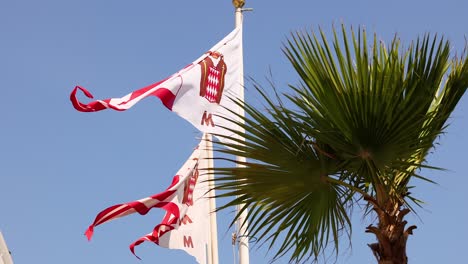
[59,167]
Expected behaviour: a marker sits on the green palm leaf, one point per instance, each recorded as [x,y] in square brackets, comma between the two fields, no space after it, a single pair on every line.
[285,186]
[359,125]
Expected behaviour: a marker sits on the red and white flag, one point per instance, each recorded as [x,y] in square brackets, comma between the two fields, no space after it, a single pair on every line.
[200,92]
[186,224]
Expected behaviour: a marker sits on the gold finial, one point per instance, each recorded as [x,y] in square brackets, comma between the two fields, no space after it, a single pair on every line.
[238,3]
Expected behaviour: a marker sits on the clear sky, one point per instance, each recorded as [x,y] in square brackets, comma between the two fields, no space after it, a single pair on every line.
[59,167]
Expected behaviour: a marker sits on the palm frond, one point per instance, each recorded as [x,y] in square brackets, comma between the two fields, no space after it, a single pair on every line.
[359,124]
[284,186]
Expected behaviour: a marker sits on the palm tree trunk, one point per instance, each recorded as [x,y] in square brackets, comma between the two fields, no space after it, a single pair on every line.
[390,233]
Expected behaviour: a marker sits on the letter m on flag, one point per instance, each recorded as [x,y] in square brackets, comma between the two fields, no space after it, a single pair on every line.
[207,119]
[188,241]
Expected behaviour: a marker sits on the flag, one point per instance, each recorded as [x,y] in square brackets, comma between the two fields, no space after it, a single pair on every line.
[200,92]
[186,224]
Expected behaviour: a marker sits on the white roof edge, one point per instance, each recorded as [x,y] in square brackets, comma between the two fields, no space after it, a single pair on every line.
[5,256]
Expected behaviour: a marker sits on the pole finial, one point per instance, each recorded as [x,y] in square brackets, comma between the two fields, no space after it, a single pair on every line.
[238,3]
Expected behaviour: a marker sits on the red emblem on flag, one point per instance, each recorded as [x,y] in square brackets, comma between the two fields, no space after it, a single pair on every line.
[190,186]
[212,77]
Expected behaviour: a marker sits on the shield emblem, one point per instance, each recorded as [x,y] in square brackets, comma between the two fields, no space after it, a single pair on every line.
[212,77]
[190,186]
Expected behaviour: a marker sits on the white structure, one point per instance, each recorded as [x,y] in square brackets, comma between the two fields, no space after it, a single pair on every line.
[5,256]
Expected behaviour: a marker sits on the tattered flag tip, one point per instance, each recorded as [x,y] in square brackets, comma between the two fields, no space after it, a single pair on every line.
[89,233]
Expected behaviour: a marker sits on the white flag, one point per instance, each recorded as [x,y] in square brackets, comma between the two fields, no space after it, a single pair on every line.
[192,234]
[186,224]
[199,93]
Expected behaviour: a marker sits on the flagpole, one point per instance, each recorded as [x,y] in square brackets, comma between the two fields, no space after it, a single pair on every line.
[213,257]
[242,223]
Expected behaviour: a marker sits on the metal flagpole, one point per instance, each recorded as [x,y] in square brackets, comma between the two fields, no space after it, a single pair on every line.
[242,233]
[213,258]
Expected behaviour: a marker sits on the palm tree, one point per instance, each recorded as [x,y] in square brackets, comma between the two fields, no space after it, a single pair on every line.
[357,130]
